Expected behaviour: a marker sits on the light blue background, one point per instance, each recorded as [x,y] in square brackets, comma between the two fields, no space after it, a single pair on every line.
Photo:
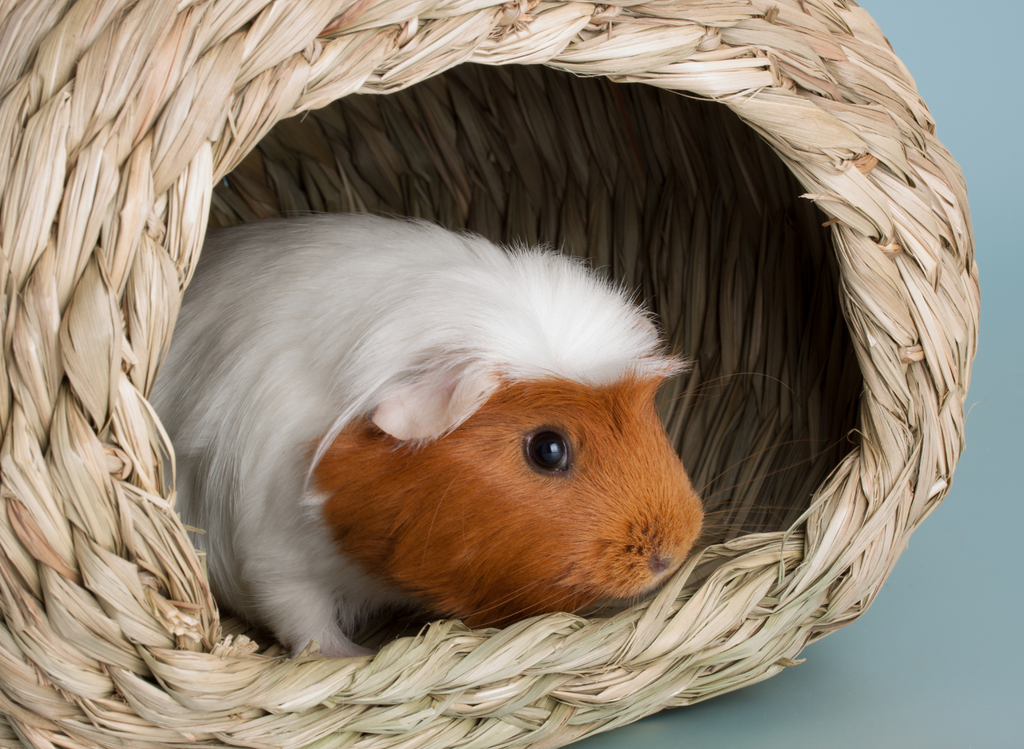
[938,660]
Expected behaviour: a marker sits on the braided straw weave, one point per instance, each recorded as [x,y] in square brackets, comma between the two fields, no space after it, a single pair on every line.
[805,237]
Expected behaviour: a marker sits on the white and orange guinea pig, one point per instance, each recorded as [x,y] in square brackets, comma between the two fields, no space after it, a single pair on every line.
[372,412]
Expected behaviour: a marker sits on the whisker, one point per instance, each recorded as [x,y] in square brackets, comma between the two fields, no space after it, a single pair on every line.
[509,597]
[720,379]
[534,608]
[539,607]
[776,446]
[440,501]
[772,473]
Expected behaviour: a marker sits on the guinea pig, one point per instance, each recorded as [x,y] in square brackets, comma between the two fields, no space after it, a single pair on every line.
[372,412]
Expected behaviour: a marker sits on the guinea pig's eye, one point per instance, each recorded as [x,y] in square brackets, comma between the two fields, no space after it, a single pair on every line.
[547,452]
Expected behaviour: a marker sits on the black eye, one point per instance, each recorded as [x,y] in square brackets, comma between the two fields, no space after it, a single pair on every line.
[547,452]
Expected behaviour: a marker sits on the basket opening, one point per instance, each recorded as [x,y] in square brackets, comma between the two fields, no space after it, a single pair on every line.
[675,197]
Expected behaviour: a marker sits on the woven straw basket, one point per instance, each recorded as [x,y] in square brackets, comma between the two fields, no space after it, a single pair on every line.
[792,220]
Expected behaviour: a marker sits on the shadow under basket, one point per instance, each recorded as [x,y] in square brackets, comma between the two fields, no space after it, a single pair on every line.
[804,240]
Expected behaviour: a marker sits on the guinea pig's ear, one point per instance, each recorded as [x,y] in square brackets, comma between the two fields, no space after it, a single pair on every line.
[434,403]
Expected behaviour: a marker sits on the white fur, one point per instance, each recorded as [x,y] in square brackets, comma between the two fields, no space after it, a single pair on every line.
[291,329]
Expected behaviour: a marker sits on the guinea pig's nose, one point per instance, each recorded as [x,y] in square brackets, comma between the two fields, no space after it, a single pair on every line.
[660,562]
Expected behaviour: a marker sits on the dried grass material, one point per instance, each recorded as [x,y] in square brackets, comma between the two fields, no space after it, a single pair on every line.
[116,121]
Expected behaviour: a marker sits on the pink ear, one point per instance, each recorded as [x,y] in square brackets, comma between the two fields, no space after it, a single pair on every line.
[440,399]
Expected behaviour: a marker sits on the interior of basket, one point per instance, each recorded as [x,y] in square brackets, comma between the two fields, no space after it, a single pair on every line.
[672,196]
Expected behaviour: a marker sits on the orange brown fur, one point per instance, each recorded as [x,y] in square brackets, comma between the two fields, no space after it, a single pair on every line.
[467,525]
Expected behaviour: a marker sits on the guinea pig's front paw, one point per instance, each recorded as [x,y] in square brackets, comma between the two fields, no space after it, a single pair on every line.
[305,619]
[333,644]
